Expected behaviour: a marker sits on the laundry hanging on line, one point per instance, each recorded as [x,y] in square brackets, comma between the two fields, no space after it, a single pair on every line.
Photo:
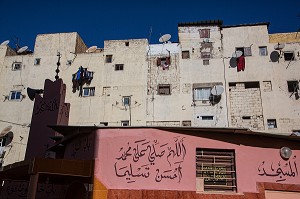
[240,63]
[81,77]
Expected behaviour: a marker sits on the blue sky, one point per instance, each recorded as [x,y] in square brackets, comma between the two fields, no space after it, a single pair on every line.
[99,20]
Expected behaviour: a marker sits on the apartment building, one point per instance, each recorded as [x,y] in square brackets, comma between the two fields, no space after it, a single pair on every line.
[199,81]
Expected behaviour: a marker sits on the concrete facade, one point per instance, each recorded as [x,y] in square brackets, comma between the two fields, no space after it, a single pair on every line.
[132,86]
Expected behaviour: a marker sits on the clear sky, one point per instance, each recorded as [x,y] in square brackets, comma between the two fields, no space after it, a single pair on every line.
[97,20]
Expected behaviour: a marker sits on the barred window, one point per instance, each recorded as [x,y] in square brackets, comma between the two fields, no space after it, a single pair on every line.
[216,169]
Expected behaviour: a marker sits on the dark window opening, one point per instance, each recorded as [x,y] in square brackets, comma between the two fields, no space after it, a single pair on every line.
[125,123]
[119,67]
[108,58]
[205,55]
[164,89]
[205,61]
[207,117]
[246,117]
[231,84]
[37,61]
[164,61]
[185,54]
[126,101]
[186,123]
[293,86]
[127,43]
[204,33]
[272,123]
[16,66]
[246,50]
[89,91]
[251,85]
[216,167]
[289,56]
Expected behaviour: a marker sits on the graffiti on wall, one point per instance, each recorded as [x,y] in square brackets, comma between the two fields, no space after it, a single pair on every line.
[150,159]
[280,171]
[81,145]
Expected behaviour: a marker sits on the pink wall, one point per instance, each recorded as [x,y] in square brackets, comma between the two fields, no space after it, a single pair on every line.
[161,160]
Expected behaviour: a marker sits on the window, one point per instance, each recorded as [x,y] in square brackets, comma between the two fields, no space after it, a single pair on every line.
[246,50]
[37,61]
[186,123]
[126,101]
[16,66]
[289,56]
[202,93]
[293,86]
[263,51]
[207,117]
[251,85]
[164,89]
[108,59]
[119,67]
[127,43]
[272,123]
[205,55]
[216,169]
[205,61]
[89,91]
[185,54]
[163,61]
[125,123]
[15,95]
[204,33]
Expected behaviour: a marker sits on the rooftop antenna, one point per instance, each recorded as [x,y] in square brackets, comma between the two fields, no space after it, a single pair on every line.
[4,43]
[91,49]
[165,38]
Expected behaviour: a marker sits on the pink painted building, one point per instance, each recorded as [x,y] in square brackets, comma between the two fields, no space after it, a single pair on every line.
[202,162]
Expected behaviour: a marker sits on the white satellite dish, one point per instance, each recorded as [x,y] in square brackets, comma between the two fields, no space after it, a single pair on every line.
[22,49]
[4,43]
[91,49]
[165,38]
[237,54]
[279,46]
[217,90]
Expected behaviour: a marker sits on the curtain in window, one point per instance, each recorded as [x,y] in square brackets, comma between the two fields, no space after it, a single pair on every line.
[201,93]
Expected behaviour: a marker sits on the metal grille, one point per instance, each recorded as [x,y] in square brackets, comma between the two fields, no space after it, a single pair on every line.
[217,169]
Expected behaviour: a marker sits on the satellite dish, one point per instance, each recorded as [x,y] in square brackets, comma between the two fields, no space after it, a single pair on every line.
[237,54]
[274,56]
[22,49]
[4,43]
[5,131]
[165,38]
[217,90]
[285,152]
[233,62]
[279,46]
[91,49]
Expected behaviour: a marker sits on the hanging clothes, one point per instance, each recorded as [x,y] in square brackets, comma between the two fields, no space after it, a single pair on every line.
[240,63]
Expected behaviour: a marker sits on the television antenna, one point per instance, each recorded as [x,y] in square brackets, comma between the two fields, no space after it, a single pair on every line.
[23,49]
[4,43]
[91,49]
[165,38]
